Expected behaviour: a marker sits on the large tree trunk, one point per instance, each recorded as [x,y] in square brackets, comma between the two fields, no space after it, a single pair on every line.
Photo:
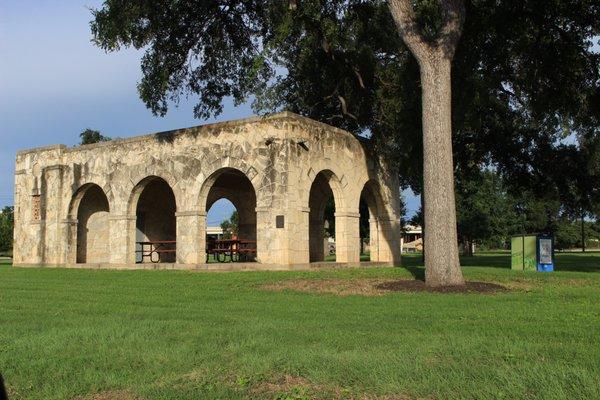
[442,267]
[423,223]
[441,262]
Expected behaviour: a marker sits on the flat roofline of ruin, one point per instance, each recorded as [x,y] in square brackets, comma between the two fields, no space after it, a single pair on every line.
[171,134]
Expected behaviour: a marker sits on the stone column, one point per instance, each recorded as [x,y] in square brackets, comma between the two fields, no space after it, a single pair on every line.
[374,239]
[347,237]
[69,253]
[37,240]
[51,210]
[37,229]
[191,237]
[265,239]
[19,233]
[301,237]
[316,229]
[389,241]
[296,242]
[122,239]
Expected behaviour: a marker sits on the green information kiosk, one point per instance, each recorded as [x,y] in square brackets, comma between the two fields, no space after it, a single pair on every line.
[532,252]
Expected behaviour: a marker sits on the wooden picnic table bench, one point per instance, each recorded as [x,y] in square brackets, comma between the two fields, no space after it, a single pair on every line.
[236,249]
[153,249]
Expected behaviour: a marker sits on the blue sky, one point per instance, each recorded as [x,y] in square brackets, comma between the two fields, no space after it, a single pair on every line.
[54,83]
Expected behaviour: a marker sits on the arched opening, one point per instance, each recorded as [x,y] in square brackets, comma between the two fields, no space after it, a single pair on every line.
[92,225]
[155,232]
[369,209]
[230,203]
[222,223]
[321,232]
[364,230]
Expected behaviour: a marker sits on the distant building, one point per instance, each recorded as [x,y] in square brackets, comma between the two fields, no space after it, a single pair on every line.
[214,232]
[412,239]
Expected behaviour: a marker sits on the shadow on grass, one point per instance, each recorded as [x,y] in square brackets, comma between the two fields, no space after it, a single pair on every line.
[573,262]
[3,393]
[492,260]
[413,263]
[417,272]
[577,262]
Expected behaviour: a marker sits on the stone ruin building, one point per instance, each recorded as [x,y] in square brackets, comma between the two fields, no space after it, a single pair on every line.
[92,205]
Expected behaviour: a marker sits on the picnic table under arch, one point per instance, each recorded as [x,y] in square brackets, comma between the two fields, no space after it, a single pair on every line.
[237,249]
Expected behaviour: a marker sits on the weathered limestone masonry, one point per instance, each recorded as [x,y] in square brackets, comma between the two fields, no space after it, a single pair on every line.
[89,205]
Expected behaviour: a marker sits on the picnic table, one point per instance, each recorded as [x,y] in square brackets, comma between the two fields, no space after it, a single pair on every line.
[154,249]
[236,249]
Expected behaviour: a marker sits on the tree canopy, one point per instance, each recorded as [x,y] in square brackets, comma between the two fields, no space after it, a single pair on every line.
[89,136]
[525,82]
[230,226]
[485,211]
[7,222]
[525,73]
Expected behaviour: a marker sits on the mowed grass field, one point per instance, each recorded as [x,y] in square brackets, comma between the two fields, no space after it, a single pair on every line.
[105,334]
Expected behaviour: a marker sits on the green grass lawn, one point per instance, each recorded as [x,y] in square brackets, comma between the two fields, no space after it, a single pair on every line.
[66,333]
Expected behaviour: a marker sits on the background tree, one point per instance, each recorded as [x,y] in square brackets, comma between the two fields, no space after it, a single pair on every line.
[329,216]
[578,175]
[89,136]
[486,214]
[592,235]
[7,222]
[230,226]
[417,218]
[566,235]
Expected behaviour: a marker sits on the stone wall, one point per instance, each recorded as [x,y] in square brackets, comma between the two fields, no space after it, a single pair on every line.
[92,227]
[276,160]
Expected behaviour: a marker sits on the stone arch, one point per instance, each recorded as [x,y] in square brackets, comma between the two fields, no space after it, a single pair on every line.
[371,197]
[384,223]
[325,186]
[90,208]
[199,190]
[211,172]
[139,182]
[336,178]
[73,205]
[153,204]
[235,186]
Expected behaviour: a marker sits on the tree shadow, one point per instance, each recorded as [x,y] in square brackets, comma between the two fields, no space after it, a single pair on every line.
[414,264]
[577,262]
[561,268]
[486,260]
[566,262]
[417,272]
[3,393]
[563,262]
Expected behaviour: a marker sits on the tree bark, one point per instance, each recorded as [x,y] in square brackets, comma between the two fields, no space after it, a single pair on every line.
[442,266]
[423,224]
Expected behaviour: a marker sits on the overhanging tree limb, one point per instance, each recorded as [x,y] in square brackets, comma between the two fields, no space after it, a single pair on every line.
[406,22]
